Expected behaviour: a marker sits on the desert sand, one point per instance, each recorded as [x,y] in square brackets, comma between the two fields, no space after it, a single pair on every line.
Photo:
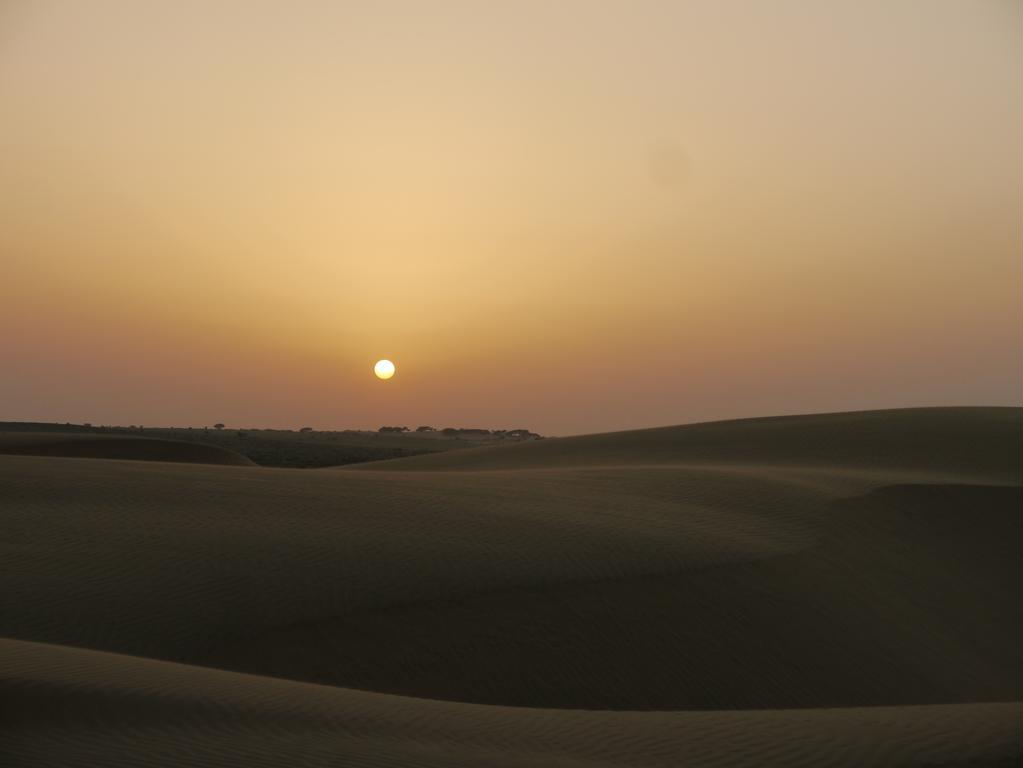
[838,589]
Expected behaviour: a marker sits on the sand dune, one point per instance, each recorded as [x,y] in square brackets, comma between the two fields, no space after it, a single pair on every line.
[836,589]
[80,708]
[127,447]
[972,441]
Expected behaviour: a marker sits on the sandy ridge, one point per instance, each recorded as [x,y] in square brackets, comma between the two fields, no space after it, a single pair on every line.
[122,710]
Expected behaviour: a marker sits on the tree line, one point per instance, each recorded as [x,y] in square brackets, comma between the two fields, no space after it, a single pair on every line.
[463,432]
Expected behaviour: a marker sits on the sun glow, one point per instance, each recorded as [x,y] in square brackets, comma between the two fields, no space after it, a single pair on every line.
[384,369]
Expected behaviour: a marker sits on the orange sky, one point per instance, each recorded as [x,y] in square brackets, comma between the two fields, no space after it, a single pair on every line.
[571,216]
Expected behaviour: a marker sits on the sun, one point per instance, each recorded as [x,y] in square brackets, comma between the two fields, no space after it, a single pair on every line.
[384,369]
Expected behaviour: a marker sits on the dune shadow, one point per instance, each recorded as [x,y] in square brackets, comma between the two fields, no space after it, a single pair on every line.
[910,598]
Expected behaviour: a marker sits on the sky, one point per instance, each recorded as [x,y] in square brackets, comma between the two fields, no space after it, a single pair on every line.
[569,216]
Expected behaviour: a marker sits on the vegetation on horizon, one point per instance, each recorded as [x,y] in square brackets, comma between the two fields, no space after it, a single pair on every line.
[273,447]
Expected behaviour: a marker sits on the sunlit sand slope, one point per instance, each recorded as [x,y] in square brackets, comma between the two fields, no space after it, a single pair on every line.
[844,603]
[116,447]
[79,708]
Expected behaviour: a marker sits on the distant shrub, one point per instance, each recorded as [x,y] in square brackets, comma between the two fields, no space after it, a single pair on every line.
[457,432]
[522,433]
[218,426]
[306,429]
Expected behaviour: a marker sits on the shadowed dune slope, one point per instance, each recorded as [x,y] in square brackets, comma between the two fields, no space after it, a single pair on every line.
[902,601]
[126,447]
[986,441]
[577,609]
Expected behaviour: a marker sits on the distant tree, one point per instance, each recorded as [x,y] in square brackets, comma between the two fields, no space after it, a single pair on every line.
[87,424]
[450,431]
[306,429]
[393,429]
[218,426]
[425,429]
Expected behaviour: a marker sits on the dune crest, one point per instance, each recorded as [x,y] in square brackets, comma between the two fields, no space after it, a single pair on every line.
[973,441]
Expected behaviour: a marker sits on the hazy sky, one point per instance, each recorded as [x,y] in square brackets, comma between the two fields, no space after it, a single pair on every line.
[569,216]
